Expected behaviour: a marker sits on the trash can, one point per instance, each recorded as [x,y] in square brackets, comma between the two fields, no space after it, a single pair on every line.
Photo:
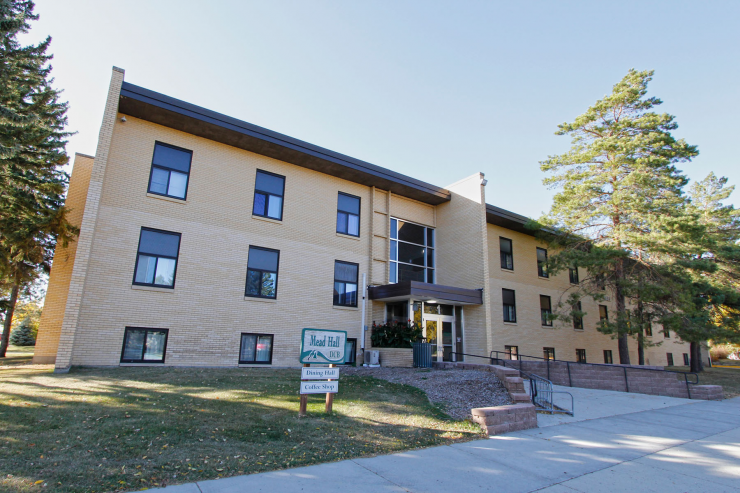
[422,355]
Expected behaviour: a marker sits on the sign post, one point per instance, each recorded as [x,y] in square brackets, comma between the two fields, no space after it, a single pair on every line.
[321,347]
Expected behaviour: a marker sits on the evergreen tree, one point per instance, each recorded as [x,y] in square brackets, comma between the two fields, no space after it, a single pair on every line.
[24,334]
[620,196]
[32,153]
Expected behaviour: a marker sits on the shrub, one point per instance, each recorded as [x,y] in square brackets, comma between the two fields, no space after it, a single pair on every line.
[24,334]
[395,334]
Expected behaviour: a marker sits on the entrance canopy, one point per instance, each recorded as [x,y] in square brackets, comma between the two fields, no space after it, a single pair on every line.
[424,291]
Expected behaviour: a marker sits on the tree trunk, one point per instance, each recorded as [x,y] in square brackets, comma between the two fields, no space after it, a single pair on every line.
[641,327]
[695,357]
[640,350]
[624,350]
[8,319]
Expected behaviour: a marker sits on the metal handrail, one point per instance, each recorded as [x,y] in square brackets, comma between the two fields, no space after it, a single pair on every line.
[547,403]
[568,363]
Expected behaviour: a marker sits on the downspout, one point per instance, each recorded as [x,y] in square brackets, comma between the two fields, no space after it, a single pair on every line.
[362,321]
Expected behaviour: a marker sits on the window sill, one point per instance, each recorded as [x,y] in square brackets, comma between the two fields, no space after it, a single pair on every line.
[168,199]
[349,237]
[351,308]
[548,326]
[267,219]
[261,300]
[579,330]
[253,365]
[510,271]
[153,288]
[160,363]
[511,323]
[544,278]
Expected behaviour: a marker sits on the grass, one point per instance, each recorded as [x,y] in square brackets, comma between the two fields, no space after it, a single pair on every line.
[17,355]
[727,376]
[135,428]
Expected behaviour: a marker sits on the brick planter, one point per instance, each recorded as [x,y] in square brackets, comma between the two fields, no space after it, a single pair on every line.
[503,419]
[396,357]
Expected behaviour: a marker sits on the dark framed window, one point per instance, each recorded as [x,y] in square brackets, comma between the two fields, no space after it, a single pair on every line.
[666,334]
[545,310]
[686,361]
[345,283]
[348,214]
[350,351]
[608,357]
[542,262]
[649,330]
[577,316]
[507,253]
[573,274]
[262,272]
[256,349]
[170,171]
[509,299]
[143,345]
[156,260]
[549,352]
[669,358]
[581,355]
[412,252]
[512,352]
[603,313]
[269,189]
[397,312]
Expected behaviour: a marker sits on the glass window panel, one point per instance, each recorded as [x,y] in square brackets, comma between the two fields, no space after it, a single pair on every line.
[158,243]
[339,293]
[345,272]
[178,184]
[412,254]
[134,344]
[171,158]
[430,276]
[541,255]
[269,284]
[446,310]
[544,302]
[165,272]
[394,250]
[262,259]
[505,245]
[145,269]
[155,346]
[254,282]
[270,183]
[159,180]
[353,225]
[350,294]
[264,347]
[259,204]
[394,228]
[349,204]
[508,296]
[349,352]
[397,312]
[431,308]
[430,237]
[341,222]
[603,313]
[410,273]
[410,232]
[430,257]
[447,333]
[249,347]
[275,207]
[392,273]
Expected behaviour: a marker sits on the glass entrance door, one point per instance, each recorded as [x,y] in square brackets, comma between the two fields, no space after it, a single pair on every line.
[439,332]
[430,334]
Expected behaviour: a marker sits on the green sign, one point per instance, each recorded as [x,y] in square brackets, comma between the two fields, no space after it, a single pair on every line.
[323,346]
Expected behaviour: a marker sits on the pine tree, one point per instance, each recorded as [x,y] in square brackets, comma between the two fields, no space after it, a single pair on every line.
[32,153]
[24,334]
[620,194]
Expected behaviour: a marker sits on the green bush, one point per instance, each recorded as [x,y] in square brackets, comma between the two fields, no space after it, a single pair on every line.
[24,334]
[395,334]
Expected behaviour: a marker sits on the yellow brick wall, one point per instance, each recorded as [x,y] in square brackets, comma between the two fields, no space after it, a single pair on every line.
[50,325]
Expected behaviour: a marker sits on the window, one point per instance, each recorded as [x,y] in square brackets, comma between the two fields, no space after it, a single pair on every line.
[669,357]
[507,254]
[412,252]
[256,349]
[666,333]
[512,352]
[144,345]
[549,352]
[397,312]
[345,283]
[603,313]
[509,305]
[542,262]
[156,262]
[170,171]
[350,351]
[577,316]
[686,361]
[348,214]
[262,272]
[581,355]
[649,330]
[608,357]
[545,310]
[268,195]
[573,274]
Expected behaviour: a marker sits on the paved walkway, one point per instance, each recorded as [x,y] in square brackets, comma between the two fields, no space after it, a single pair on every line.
[671,447]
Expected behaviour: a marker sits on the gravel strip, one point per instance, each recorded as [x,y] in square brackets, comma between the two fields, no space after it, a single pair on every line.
[457,391]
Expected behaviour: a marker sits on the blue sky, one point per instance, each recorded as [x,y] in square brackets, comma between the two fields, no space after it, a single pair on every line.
[435,90]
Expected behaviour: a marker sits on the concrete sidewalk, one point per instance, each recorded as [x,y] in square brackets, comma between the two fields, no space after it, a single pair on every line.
[690,446]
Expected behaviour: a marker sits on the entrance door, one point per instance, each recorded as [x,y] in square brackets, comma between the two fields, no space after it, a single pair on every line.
[438,331]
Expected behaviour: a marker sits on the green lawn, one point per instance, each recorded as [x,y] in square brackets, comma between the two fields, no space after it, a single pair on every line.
[135,428]
[726,376]
[17,355]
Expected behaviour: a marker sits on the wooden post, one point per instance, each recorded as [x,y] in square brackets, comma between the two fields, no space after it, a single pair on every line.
[304,400]
[329,398]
